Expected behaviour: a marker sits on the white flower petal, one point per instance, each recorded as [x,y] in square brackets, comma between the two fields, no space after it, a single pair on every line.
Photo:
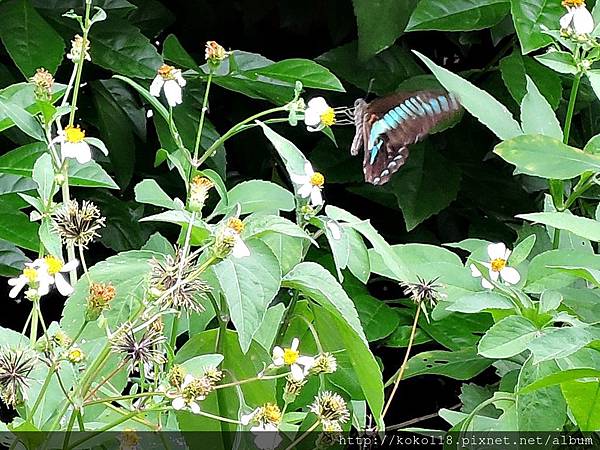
[318,104]
[19,283]
[247,418]
[306,361]
[178,403]
[312,118]
[305,190]
[172,93]
[300,179]
[195,407]
[295,344]
[583,22]
[308,169]
[187,380]
[297,372]
[179,78]
[62,285]
[494,275]
[156,86]
[496,251]
[475,271]
[278,362]
[70,266]
[316,198]
[240,249]
[486,284]
[565,21]
[510,275]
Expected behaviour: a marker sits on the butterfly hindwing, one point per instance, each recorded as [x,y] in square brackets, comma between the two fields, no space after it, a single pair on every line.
[386,127]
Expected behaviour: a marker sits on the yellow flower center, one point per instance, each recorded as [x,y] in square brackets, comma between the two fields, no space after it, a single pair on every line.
[290,356]
[166,72]
[317,179]
[573,3]
[74,134]
[498,264]
[54,264]
[129,438]
[199,182]
[272,413]
[30,273]
[328,117]
[75,355]
[235,224]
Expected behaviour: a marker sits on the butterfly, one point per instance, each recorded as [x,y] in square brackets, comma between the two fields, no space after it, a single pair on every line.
[387,126]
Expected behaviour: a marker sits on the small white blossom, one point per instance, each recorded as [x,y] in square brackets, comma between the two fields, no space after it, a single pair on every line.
[577,19]
[234,230]
[299,365]
[169,80]
[497,266]
[266,421]
[184,399]
[73,144]
[36,277]
[55,268]
[318,114]
[310,184]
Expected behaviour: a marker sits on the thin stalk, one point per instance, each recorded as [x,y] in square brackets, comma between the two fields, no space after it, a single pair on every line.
[105,428]
[208,153]
[202,114]
[294,444]
[286,320]
[105,380]
[86,30]
[413,331]
[33,330]
[83,264]
[222,419]
[122,397]
[249,380]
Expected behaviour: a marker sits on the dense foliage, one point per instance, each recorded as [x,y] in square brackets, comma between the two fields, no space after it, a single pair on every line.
[222,263]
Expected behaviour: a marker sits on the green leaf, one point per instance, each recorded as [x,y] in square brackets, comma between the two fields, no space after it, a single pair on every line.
[544,409]
[583,398]
[293,159]
[43,175]
[338,335]
[379,25]
[580,226]
[555,378]
[257,225]
[314,281]
[15,226]
[507,338]
[120,47]
[516,67]
[522,250]
[562,62]
[12,259]
[459,365]
[380,246]
[594,78]
[480,301]
[545,157]
[311,74]
[127,272]
[30,41]
[249,284]
[543,273]
[537,116]
[464,15]
[530,16]
[349,251]
[148,191]
[380,74]
[427,184]
[173,51]
[115,128]
[21,118]
[482,105]
[90,174]
[258,196]
[556,343]
[377,318]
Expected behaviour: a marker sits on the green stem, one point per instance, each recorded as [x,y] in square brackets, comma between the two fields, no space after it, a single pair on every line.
[250,380]
[86,30]
[105,428]
[33,330]
[413,332]
[294,444]
[208,153]
[286,320]
[122,397]
[42,393]
[571,107]
[202,114]
[105,380]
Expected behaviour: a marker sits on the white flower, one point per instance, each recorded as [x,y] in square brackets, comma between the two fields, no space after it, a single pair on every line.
[73,144]
[170,80]
[299,365]
[318,114]
[55,268]
[36,277]
[310,184]
[498,254]
[577,19]
[266,420]
[186,399]
[266,436]
[335,230]
[233,230]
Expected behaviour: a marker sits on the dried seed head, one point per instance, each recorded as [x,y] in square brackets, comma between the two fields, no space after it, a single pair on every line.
[78,49]
[213,374]
[292,388]
[78,226]
[199,188]
[141,350]
[43,81]
[423,291]
[176,375]
[324,363]
[99,298]
[329,407]
[215,53]
[15,367]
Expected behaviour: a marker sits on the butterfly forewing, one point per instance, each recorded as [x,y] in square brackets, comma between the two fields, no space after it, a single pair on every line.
[386,127]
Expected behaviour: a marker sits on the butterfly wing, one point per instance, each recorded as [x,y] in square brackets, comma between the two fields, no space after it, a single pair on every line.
[391,124]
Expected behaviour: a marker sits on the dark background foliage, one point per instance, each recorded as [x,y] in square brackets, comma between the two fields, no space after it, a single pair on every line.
[451,188]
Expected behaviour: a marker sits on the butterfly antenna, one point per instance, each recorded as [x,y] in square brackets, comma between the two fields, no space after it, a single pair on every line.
[371,81]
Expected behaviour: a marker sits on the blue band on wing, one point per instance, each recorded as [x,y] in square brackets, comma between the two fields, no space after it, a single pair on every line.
[435,105]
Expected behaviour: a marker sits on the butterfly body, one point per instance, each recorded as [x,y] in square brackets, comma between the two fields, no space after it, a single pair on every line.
[387,126]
